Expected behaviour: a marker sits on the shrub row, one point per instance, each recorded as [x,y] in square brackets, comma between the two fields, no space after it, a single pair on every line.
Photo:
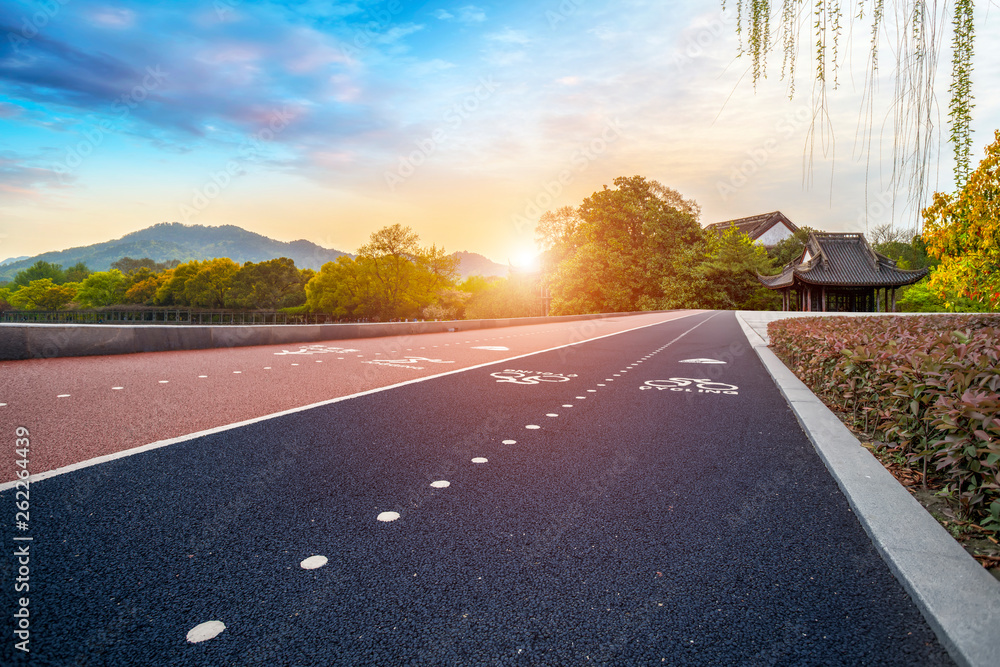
[927,386]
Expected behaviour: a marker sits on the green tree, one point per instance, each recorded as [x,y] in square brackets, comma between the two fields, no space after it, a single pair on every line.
[391,254]
[210,284]
[789,249]
[345,288]
[269,285]
[623,252]
[76,273]
[43,294]
[128,265]
[104,288]
[172,290]
[40,270]
[730,269]
[963,232]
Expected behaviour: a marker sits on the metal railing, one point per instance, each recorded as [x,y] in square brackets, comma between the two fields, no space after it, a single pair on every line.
[162,316]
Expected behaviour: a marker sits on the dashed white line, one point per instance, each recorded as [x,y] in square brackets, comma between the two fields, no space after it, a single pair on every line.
[480,459]
[63,396]
[112,388]
[441,484]
[532,426]
[506,442]
[164,381]
[388,516]
[552,414]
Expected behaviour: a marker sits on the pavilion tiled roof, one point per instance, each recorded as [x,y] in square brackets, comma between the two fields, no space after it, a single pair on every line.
[843,260]
[755,225]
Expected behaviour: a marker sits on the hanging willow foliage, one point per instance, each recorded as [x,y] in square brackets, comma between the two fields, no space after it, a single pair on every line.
[918,27]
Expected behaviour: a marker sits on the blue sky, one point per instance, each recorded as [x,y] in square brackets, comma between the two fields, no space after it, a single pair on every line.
[328,120]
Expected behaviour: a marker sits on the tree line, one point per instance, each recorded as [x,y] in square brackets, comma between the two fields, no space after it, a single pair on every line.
[635,246]
[393,277]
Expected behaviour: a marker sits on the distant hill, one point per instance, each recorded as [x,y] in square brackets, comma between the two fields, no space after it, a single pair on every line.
[474,264]
[173,240]
[10,260]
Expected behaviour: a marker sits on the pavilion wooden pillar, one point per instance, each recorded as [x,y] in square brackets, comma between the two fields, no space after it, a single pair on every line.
[823,298]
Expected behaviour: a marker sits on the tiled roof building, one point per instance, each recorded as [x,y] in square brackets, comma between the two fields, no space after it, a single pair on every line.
[841,272]
[767,229]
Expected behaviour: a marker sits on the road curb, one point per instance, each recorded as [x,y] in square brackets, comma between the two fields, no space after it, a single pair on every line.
[959,599]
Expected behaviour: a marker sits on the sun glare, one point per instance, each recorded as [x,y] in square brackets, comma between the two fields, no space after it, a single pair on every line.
[527,260]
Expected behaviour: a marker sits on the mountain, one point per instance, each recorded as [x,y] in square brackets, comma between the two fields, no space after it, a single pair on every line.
[11,260]
[474,264]
[173,240]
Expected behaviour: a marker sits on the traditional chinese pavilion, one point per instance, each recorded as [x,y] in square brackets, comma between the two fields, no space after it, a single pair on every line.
[840,273]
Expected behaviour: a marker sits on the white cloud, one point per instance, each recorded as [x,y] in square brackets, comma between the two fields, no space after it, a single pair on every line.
[443,15]
[508,36]
[471,14]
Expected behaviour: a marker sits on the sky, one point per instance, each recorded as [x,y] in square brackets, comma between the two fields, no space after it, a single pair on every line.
[329,120]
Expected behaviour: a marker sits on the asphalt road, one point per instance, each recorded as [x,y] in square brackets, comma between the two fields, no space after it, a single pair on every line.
[595,511]
[80,408]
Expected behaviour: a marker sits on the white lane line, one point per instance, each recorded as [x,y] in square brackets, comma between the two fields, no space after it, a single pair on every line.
[164,381]
[506,442]
[532,426]
[237,372]
[203,376]
[441,484]
[480,459]
[552,414]
[62,396]
[388,516]
[581,398]
[567,405]
[247,422]
[112,388]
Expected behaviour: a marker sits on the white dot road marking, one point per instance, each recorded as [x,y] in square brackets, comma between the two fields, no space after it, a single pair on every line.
[581,398]
[205,631]
[388,516]
[441,484]
[480,459]
[266,368]
[552,414]
[63,396]
[294,364]
[203,376]
[237,372]
[602,385]
[567,405]
[532,426]
[592,391]
[164,381]
[3,405]
[506,442]
[313,562]
[319,361]
[112,388]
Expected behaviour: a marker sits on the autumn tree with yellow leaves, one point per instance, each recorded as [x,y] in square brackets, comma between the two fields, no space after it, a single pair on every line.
[963,231]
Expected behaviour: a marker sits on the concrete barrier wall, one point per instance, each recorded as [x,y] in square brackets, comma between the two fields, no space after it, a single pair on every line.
[45,341]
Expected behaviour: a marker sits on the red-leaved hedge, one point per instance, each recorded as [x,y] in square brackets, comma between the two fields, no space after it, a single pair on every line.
[926,385]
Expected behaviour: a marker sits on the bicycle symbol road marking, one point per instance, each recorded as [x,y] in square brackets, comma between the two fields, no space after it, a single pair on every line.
[692,386]
[530,377]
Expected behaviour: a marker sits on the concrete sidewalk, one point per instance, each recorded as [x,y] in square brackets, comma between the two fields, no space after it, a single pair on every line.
[957,596]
